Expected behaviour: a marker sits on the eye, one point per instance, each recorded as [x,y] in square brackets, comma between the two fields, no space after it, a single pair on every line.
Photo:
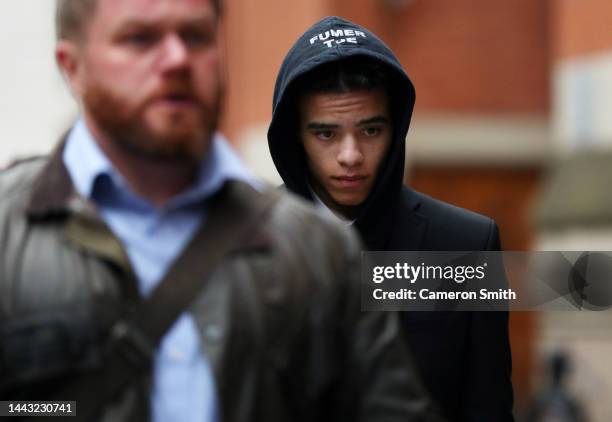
[197,38]
[372,131]
[140,39]
[324,135]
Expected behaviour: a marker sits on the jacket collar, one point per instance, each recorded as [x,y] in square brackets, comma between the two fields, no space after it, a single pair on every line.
[52,191]
[54,196]
[401,228]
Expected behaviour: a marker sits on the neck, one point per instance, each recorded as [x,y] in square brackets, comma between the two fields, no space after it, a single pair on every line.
[154,179]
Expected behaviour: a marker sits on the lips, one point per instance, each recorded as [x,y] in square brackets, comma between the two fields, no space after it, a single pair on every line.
[176,99]
[349,181]
[179,99]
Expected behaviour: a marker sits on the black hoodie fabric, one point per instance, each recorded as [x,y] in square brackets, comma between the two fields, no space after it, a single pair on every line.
[464,357]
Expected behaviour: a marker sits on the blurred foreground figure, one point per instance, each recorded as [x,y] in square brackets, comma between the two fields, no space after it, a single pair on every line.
[342,108]
[145,274]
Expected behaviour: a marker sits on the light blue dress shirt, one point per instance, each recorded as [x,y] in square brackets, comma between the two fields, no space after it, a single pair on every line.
[183,383]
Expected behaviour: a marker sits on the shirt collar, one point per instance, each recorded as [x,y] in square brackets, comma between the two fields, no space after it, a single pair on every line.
[86,162]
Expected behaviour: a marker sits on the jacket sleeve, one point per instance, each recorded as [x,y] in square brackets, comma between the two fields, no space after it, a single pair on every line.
[489,396]
[378,369]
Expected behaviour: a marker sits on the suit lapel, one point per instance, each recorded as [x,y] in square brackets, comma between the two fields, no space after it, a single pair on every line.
[411,235]
[410,226]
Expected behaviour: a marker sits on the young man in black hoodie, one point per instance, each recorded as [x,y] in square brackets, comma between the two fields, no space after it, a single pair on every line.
[341,112]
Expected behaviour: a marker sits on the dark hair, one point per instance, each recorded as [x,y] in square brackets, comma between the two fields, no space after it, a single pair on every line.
[356,73]
[72,17]
[342,76]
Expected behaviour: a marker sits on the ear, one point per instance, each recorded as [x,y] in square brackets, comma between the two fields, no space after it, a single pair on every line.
[69,57]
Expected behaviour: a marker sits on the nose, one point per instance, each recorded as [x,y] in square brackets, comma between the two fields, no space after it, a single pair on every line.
[349,153]
[174,53]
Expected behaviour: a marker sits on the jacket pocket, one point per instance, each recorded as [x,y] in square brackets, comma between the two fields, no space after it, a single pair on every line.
[46,345]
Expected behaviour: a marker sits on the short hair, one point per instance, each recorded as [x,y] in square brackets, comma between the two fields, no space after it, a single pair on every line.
[358,73]
[72,17]
[351,74]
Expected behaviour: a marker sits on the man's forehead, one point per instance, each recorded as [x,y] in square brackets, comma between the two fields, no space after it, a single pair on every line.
[151,10]
[351,102]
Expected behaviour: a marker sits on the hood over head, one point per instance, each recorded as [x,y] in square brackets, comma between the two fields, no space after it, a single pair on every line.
[330,40]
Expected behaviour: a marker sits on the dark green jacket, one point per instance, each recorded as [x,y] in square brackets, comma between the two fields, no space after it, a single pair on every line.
[280,318]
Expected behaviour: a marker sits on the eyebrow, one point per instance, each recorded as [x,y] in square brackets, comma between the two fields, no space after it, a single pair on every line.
[149,23]
[321,126]
[364,122]
[371,120]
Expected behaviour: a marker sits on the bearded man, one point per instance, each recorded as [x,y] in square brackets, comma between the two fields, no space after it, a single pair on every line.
[146,275]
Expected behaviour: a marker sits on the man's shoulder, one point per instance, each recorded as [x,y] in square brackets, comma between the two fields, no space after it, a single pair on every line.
[314,254]
[314,238]
[18,177]
[435,210]
[450,227]
[299,216]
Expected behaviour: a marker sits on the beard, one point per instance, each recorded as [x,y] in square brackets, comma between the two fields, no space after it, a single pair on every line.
[167,136]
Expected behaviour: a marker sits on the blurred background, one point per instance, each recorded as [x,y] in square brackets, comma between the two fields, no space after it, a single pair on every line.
[512,120]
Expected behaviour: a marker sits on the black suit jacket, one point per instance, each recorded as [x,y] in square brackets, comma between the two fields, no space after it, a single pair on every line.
[464,357]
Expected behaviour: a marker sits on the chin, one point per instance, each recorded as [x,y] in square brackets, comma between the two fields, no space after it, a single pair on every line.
[168,145]
[174,128]
[349,201]
[190,141]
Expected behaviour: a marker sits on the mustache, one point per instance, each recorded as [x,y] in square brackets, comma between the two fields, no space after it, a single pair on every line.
[176,90]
